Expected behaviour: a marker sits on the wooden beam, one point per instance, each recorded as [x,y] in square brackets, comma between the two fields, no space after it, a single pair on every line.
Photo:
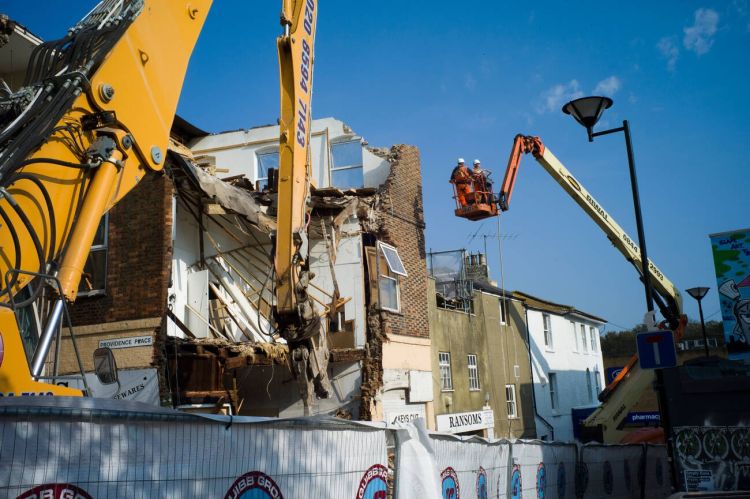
[347,354]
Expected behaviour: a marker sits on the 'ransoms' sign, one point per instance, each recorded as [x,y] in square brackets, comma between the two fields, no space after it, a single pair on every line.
[465,421]
[133,341]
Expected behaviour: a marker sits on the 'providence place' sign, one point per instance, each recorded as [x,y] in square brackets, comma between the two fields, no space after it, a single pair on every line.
[465,421]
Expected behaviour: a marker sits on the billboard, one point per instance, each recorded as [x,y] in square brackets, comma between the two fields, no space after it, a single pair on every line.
[731,252]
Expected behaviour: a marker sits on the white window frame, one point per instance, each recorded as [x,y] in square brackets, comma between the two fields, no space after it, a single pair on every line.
[334,168]
[553,392]
[103,247]
[584,339]
[399,269]
[390,274]
[510,401]
[594,342]
[597,384]
[471,360]
[547,331]
[258,154]
[446,374]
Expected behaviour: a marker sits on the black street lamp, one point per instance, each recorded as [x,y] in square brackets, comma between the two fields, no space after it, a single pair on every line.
[587,111]
[698,294]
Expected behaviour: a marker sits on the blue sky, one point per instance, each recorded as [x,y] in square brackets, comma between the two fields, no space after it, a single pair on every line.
[461,79]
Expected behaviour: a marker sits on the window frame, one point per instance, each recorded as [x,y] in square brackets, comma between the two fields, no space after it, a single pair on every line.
[334,168]
[597,384]
[474,384]
[97,248]
[584,339]
[444,366]
[589,386]
[258,154]
[547,331]
[593,341]
[553,391]
[503,303]
[510,402]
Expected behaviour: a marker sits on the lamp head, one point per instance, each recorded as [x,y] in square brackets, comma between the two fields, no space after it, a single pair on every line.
[587,111]
[697,293]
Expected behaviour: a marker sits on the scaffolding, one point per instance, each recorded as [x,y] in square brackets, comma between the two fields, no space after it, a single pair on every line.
[453,286]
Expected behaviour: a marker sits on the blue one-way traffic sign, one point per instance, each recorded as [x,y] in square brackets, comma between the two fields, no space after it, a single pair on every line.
[656,349]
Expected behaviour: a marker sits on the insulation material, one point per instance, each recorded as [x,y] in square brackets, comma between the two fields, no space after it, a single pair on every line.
[658,482]
[110,450]
[471,467]
[540,469]
[611,471]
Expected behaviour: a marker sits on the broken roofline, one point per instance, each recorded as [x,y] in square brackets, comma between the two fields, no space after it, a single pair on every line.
[548,306]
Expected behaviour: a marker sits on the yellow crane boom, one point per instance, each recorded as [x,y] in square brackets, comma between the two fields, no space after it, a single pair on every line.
[622,393]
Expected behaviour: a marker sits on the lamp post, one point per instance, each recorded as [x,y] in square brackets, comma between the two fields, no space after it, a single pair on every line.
[587,111]
[698,294]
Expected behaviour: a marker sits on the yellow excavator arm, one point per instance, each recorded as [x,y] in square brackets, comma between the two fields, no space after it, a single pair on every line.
[625,391]
[99,107]
[295,315]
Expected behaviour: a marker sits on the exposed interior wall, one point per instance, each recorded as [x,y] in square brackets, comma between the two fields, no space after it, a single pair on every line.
[237,151]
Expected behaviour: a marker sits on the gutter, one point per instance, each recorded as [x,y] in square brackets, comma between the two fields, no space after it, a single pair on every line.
[531,371]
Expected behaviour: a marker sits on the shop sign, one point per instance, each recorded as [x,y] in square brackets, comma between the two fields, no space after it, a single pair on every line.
[133,341]
[461,422]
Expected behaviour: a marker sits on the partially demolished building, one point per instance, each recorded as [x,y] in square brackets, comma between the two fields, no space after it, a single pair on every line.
[180,280]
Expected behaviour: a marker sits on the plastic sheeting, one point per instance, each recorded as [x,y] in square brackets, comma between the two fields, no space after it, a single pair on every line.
[541,469]
[137,454]
[658,480]
[57,447]
[612,470]
[473,466]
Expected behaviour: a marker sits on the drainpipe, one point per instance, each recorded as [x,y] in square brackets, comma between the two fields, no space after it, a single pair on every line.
[531,371]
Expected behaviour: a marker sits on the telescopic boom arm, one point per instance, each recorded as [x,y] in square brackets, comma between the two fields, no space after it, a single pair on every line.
[622,393]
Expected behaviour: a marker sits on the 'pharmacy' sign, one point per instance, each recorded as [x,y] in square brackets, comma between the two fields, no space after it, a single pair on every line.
[133,341]
[465,421]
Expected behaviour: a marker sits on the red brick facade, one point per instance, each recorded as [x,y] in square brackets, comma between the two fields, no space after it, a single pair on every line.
[139,257]
[402,217]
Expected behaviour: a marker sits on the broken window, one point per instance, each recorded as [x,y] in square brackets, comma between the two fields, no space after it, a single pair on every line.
[388,268]
[94,278]
[265,161]
[346,167]
[393,259]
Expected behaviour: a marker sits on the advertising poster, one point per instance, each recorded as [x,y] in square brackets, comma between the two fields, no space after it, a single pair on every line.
[731,252]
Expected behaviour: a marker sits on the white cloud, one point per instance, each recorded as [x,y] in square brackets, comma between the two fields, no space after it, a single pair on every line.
[608,86]
[700,36]
[553,98]
[669,51]
[470,82]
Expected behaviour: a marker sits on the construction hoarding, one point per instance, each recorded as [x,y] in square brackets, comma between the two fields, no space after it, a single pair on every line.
[58,447]
[731,251]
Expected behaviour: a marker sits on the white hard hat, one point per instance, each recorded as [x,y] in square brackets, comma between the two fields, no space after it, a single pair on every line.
[476,161]
[460,160]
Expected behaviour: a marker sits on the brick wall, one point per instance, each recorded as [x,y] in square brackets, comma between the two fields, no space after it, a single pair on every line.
[138,259]
[402,218]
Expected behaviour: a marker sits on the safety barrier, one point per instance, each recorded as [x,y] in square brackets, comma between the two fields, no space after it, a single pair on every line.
[98,449]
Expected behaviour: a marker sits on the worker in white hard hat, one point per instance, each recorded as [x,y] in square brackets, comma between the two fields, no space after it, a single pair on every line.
[482,183]
[461,177]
